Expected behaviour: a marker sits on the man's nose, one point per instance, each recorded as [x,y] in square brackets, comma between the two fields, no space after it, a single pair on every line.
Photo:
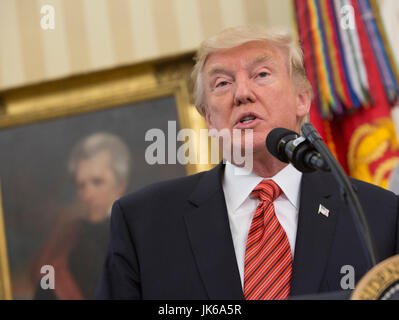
[243,93]
[87,193]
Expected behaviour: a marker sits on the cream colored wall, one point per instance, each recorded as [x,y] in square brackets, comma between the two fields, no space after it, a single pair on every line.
[91,35]
[389,10]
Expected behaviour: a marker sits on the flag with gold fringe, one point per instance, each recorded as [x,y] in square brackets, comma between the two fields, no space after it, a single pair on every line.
[355,80]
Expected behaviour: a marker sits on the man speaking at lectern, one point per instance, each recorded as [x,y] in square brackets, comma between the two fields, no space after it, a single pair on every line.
[230,233]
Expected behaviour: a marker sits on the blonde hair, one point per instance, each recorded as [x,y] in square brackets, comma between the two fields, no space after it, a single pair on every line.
[233,37]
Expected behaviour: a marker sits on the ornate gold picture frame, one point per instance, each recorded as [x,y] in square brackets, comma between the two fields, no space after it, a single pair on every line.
[5,286]
[97,92]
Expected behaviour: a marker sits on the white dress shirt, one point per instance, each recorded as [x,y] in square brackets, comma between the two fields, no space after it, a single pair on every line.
[237,187]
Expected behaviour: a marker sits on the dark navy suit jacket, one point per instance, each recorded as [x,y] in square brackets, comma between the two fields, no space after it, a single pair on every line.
[172,240]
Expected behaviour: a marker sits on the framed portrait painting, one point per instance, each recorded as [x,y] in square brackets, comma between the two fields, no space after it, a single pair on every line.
[70,148]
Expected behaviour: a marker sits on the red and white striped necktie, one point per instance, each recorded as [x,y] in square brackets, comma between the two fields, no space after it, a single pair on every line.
[268,259]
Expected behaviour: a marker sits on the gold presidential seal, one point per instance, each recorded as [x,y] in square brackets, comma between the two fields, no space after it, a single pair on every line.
[380,283]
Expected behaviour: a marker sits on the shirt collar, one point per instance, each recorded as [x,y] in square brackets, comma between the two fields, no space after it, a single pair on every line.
[289,180]
[238,184]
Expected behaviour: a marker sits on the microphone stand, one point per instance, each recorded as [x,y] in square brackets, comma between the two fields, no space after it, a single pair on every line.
[347,190]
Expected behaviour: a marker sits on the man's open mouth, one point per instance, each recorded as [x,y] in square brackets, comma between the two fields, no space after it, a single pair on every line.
[248,119]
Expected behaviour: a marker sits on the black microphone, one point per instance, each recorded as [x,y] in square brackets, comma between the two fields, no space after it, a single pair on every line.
[289,146]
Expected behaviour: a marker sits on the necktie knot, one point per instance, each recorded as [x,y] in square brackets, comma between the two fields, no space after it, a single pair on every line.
[267,190]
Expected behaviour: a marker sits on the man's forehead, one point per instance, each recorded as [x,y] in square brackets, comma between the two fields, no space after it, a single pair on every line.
[249,53]
[220,67]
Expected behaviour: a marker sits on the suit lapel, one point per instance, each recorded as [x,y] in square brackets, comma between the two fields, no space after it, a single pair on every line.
[210,238]
[315,231]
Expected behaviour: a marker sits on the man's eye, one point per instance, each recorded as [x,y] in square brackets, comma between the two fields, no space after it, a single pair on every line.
[97,181]
[221,84]
[263,74]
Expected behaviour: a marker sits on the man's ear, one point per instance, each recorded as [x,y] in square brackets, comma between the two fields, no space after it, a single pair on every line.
[304,101]
[207,117]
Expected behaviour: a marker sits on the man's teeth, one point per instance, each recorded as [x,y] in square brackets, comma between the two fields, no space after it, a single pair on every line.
[247,119]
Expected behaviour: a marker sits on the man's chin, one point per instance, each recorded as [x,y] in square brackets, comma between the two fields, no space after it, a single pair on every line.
[95,217]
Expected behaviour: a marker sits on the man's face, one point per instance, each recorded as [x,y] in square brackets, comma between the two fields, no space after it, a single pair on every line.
[96,186]
[249,87]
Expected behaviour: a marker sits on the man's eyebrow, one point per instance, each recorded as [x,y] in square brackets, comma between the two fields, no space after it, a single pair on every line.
[218,69]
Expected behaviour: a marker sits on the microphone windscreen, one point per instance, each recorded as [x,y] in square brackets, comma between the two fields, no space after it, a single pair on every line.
[273,139]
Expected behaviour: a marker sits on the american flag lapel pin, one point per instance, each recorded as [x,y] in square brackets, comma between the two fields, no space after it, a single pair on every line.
[323,210]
